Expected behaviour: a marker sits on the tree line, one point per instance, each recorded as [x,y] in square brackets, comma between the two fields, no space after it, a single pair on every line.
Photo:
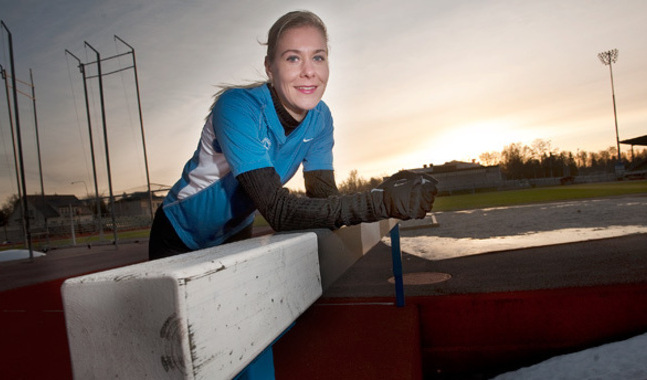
[541,160]
[537,160]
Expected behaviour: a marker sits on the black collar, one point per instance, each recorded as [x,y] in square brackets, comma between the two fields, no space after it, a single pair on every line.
[287,121]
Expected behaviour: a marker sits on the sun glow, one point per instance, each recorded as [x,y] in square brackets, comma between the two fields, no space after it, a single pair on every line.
[463,142]
[468,141]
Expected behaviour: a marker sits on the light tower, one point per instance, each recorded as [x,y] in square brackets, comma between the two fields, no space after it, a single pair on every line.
[609,58]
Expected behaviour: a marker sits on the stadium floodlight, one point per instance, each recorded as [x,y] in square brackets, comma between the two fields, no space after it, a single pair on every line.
[608,58]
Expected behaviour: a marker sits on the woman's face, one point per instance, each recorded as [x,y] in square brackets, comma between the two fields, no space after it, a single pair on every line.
[299,71]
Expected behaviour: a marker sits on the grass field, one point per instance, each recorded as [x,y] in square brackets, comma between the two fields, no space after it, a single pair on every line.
[539,195]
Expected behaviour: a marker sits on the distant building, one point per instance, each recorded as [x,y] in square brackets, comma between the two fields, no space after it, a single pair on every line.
[47,214]
[56,214]
[458,176]
[57,209]
[136,204]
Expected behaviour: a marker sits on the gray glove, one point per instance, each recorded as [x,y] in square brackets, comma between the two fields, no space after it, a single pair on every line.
[405,195]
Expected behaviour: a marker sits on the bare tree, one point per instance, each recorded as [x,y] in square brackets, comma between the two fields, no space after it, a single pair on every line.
[541,148]
[354,183]
[7,209]
[490,158]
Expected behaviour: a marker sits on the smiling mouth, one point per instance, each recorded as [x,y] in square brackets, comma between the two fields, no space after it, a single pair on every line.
[306,89]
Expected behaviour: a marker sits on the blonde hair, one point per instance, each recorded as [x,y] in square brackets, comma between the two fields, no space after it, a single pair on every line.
[290,20]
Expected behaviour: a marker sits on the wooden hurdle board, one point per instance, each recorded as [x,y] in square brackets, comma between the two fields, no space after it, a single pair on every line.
[202,315]
[209,313]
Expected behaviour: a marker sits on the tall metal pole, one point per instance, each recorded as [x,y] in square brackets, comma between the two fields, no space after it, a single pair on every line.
[18,134]
[40,164]
[105,141]
[609,58]
[15,154]
[141,125]
[94,165]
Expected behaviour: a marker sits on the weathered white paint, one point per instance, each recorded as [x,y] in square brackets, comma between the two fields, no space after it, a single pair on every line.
[340,249]
[202,315]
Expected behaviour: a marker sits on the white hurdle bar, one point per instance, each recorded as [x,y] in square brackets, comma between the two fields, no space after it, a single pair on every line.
[203,315]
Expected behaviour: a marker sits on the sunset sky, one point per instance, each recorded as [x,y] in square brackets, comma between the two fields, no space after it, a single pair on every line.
[412,82]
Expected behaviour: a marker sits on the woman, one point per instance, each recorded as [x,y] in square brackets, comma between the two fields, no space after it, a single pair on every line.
[253,142]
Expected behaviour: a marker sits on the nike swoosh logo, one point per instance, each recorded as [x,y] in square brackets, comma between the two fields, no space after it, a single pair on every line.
[308,140]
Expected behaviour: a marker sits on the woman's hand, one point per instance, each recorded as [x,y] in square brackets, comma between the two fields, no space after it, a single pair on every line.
[405,195]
